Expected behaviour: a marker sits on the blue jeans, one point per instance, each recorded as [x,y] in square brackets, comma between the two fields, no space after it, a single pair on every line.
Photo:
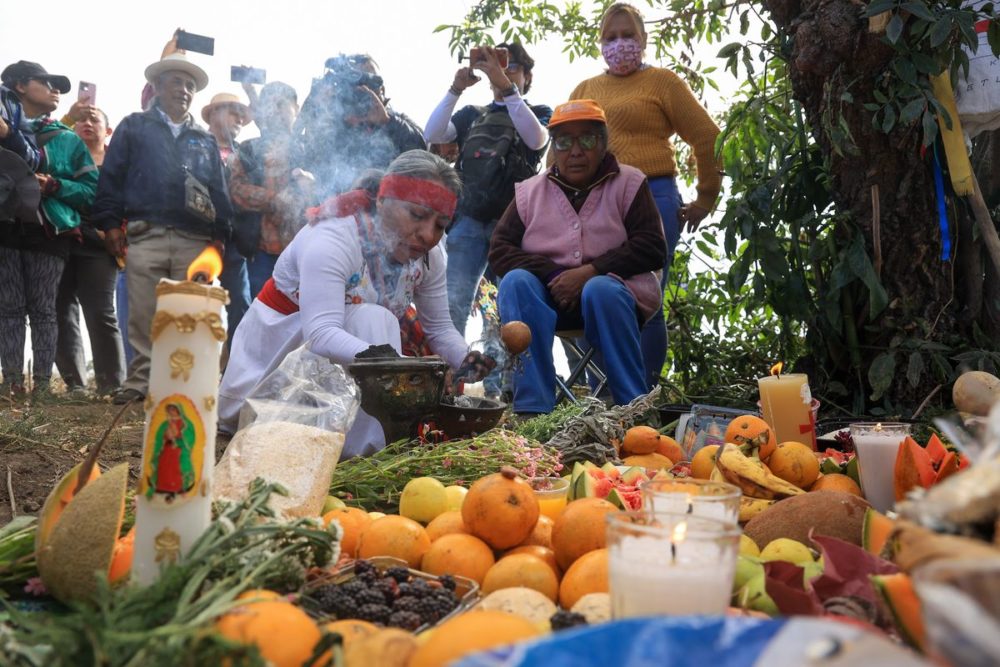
[654,333]
[259,270]
[121,308]
[468,246]
[234,280]
[607,314]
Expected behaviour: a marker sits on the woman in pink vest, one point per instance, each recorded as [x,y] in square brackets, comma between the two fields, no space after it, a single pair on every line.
[581,246]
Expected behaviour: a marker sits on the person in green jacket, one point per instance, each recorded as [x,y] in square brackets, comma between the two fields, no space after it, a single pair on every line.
[33,252]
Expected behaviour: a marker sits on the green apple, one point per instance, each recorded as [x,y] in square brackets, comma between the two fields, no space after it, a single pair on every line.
[810,571]
[747,568]
[332,503]
[753,595]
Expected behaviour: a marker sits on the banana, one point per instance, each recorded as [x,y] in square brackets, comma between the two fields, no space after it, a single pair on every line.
[751,507]
[751,477]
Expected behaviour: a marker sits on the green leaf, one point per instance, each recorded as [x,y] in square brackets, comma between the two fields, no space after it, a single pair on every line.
[930,128]
[940,32]
[894,30]
[729,50]
[860,265]
[912,111]
[919,9]
[879,6]
[888,118]
[915,368]
[880,374]
[993,37]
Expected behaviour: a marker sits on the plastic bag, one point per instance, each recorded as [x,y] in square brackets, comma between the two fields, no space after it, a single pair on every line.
[304,389]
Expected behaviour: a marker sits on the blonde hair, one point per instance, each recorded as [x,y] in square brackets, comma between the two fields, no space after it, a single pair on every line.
[629,10]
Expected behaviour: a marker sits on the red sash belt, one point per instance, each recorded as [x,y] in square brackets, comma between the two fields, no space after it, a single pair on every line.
[275,299]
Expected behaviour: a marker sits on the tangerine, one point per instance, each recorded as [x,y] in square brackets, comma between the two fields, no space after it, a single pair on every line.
[447,523]
[641,440]
[795,463]
[579,528]
[396,536]
[541,534]
[703,462]
[668,447]
[752,430]
[471,632]
[522,570]
[501,509]
[545,553]
[283,633]
[589,574]
[836,482]
[352,521]
[464,555]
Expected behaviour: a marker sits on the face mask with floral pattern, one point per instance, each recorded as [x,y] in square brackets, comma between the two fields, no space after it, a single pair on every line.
[623,55]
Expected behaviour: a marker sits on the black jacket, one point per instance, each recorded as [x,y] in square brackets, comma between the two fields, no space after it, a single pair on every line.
[143,176]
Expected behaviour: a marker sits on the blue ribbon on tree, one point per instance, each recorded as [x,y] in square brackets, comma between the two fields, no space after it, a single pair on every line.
[942,208]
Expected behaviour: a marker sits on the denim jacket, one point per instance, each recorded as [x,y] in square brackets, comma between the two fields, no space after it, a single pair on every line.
[143,176]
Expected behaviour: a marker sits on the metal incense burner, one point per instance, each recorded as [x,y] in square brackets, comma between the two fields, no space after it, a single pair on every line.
[400,392]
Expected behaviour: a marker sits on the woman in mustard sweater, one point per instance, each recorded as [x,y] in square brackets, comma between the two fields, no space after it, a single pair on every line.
[646,106]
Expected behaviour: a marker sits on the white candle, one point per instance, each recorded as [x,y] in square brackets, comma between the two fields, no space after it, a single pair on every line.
[694,497]
[876,446]
[786,404]
[174,499]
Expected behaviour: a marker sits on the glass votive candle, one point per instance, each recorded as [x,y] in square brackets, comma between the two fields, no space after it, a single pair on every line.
[670,564]
[550,492]
[697,497]
[876,446]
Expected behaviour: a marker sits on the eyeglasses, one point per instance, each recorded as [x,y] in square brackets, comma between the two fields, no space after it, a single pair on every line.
[588,142]
[45,82]
[513,68]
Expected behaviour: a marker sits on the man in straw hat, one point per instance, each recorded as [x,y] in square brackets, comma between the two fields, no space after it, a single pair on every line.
[162,179]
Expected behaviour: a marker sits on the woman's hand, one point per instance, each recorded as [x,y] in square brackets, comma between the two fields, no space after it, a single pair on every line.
[691,215]
[464,78]
[81,111]
[490,66]
[475,367]
[568,285]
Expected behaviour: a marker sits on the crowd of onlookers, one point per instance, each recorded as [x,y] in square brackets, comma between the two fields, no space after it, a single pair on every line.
[92,217]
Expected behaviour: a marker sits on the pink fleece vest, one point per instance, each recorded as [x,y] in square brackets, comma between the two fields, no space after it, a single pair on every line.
[570,239]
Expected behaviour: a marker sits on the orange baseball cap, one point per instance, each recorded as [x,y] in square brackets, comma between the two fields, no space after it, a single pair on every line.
[567,112]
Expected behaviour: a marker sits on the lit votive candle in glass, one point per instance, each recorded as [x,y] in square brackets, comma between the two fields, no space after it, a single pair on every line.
[550,492]
[876,446]
[698,497]
[670,564]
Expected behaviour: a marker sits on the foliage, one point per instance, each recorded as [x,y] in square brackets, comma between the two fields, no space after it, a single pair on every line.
[170,621]
[791,275]
[17,551]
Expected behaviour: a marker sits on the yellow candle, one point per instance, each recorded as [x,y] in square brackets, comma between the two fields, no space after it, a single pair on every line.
[786,403]
[174,498]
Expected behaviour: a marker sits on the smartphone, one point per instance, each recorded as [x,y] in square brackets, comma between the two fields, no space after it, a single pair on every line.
[476,55]
[197,43]
[87,93]
[243,74]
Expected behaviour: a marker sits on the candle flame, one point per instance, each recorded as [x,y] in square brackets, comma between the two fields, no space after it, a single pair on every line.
[680,530]
[776,369]
[206,267]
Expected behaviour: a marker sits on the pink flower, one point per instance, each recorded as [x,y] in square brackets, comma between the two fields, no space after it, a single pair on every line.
[446,463]
[36,587]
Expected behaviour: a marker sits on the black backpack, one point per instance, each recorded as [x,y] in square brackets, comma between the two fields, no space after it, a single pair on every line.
[492,160]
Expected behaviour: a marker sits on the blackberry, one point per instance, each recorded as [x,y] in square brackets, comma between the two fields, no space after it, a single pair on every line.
[445,600]
[353,587]
[388,588]
[407,620]
[447,582]
[406,603]
[374,613]
[363,566]
[412,590]
[369,596]
[432,609]
[561,620]
[400,574]
[329,598]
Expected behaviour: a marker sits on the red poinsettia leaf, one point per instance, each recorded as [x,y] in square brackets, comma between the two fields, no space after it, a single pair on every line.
[783,582]
[847,569]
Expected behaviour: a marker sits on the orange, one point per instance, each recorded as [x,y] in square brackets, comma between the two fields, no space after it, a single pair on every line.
[668,447]
[446,523]
[795,463]
[641,440]
[748,429]
[352,521]
[501,509]
[836,482]
[283,633]
[545,553]
[464,555]
[471,632]
[259,595]
[589,574]
[396,536]
[522,570]
[703,462]
[580,528]
[541,534]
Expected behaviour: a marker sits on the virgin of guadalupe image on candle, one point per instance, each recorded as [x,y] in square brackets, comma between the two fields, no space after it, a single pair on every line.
[174,451]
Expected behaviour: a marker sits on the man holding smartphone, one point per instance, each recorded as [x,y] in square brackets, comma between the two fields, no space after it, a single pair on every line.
[163,180]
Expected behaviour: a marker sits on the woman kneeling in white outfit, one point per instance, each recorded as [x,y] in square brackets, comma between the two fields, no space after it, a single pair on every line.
[347,279]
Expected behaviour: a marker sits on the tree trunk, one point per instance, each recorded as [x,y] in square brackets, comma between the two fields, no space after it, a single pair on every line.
[831,52]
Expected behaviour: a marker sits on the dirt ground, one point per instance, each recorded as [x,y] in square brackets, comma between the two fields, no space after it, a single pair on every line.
[39,444]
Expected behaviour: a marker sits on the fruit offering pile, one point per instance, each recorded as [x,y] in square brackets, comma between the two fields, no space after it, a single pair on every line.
[393,597]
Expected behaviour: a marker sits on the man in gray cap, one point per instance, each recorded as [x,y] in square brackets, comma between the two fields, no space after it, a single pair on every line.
[162,180]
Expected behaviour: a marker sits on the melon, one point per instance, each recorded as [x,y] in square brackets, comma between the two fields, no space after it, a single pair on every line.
[896,591]
[831,513]
[875,531]
[975,392]
[82,541]
[913,468]
[59,497]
